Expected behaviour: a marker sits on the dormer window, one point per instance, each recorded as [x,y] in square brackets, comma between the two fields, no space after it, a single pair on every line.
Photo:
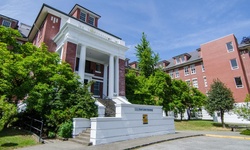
[178,60]
[183,59]
[91,20]
[6,23]
[83,16]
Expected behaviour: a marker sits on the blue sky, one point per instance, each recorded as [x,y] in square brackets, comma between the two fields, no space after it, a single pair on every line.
[172,27]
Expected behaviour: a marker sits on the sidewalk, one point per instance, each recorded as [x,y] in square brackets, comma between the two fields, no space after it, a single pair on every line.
[135,143]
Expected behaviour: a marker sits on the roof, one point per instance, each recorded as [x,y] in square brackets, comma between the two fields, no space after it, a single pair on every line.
[194,56]
[79,6]
[8,18]
[42,15]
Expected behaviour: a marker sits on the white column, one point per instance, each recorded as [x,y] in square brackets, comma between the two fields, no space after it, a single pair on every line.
[82,62]
[105,80]
[117,76]
[111,76]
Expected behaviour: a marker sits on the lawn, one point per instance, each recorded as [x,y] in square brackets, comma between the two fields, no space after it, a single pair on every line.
[199,125]
[15,138]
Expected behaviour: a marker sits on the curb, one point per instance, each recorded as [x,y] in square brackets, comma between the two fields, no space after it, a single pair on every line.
[156,142]
[225,136]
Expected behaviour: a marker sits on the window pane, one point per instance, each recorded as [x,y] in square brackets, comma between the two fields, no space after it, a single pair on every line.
[186,71]
[234,64]
[91,20]
[97,88]
[6,23]
[230,46]
[195,83]
[238,82]
[83,16]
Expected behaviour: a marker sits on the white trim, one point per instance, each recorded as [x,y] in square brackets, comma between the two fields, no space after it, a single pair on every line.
[193,82]
[237,67]
[236,83]
[230,51]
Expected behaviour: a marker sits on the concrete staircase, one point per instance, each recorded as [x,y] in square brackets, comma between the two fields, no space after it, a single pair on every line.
[109,107]
[83,138]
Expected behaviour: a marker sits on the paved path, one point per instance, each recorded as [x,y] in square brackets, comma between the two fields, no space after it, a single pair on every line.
[136,143]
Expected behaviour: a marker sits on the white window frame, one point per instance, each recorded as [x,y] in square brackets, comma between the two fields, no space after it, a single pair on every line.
[6,21]
[196,85]
[205,81]
[177,74]
[230,50]
[85,16]
[192,68]
[202,67]
[171,74]
[93,20]
[177,59]
[234,67]
[186,71]
[188,82]
[182,58]
[237,86]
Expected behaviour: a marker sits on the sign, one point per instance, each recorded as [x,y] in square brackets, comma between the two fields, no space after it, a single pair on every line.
[145,118]
[143,109]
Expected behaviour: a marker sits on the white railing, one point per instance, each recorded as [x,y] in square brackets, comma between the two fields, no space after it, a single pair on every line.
[95,31]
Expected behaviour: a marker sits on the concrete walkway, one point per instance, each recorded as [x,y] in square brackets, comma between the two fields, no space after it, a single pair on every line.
[135,143]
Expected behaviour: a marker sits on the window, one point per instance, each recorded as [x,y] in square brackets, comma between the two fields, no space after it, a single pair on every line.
[202,67]
[97,67]
[186,71]
[171,74]
[195,83]
[193,71]
[177,75]
[77,64]
[83,16]
[97,88]
[234,64]
[177,60]
[183,58]
[238,82]
[205,81]
[230,47]
[91,20]
[6,23]
[188,82]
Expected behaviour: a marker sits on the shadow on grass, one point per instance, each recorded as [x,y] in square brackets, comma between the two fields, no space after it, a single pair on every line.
[9,144]
[13,132]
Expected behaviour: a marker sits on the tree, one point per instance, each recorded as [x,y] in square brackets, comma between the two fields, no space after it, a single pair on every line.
[8,112]
[243,111]
[147,59]
[220,98]
[36,76]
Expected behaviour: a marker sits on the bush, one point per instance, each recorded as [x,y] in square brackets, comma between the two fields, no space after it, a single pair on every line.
[245,132]
[51,134]
[65,130]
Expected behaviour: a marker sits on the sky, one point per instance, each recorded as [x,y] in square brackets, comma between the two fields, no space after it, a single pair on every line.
[172,27]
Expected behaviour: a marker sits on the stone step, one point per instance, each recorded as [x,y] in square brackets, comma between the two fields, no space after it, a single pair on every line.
[83,138]
[80,141]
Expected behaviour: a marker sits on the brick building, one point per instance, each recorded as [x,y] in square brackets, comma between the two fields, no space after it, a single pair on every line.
[92,52]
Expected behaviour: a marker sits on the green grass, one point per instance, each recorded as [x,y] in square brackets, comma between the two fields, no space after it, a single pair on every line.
[245,132]
[199,125]
[15,138]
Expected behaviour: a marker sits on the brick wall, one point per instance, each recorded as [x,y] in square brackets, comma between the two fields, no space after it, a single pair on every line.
[69,54]
[121,77]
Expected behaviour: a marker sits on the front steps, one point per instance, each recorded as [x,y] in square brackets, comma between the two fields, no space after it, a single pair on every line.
[109,107]
[83,138]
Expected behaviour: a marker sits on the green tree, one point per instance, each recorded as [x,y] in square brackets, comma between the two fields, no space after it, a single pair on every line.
[8,113]
[36,76]
[243,111]
[147,59]
[220,98]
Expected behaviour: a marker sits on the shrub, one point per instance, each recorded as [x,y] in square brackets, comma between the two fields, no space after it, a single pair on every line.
[245,132]
[51,134]
[65,130]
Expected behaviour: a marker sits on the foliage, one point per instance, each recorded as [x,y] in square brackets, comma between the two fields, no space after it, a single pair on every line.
[220,98]
[49,87]
[147,59]
[8,112]
[185,97]
[66,129]
[243,111]
[51,134]
[245,132]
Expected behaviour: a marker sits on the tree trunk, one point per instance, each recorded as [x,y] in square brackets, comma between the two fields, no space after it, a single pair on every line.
[189,113]
[222,118]
[181,115]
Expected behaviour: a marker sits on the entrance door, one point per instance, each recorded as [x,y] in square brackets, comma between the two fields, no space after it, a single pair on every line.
[97,89]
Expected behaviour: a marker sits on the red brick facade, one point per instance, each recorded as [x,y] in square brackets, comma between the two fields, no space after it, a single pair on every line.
[69,54]
[121,77]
